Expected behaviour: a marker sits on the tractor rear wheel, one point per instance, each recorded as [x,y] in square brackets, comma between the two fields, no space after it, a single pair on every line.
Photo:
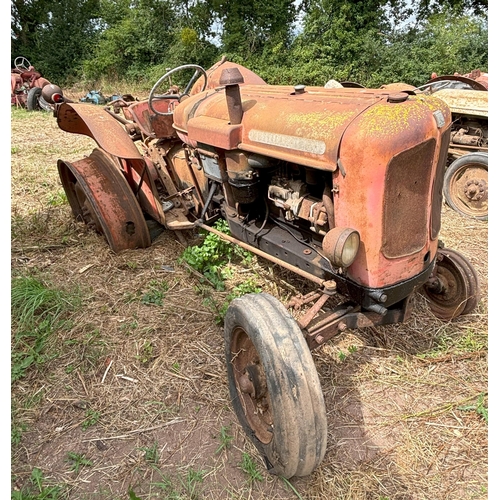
[274,385]
[100,196]
[466,185]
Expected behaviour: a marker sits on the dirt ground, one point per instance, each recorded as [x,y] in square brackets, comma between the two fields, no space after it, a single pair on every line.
[138,387]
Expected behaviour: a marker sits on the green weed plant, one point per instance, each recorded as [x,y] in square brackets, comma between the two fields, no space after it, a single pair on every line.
[212,256]
[225,439]
[38,489]
[249,466]
[77,461]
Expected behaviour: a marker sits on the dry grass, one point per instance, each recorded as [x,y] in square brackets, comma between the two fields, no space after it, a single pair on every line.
[153,377]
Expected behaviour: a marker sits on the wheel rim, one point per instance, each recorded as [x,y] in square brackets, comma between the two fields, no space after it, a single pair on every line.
[251,384]
[43,104]
[86,212]
[449,289]
[100,196]
[469,190]
[472,279]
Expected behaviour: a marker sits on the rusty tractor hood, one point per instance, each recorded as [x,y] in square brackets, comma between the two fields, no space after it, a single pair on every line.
[214,74]
[465,102]
[303,126]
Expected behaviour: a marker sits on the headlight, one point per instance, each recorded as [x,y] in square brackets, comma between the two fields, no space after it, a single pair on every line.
[52,93]
[341,246]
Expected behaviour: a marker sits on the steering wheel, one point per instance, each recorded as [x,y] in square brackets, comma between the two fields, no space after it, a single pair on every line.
[22,64]
[174,92]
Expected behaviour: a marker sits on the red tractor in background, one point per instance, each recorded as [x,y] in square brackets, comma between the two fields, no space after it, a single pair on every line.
[27,87]
[342,186]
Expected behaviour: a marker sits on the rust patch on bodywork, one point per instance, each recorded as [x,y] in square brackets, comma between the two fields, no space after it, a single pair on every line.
[90,120]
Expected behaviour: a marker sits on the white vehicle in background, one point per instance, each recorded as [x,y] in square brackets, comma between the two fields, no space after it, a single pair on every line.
[466,179]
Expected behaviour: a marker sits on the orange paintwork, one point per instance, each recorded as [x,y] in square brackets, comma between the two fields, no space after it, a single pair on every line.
[92,121]
[363,128]
[367,148]
[358,136]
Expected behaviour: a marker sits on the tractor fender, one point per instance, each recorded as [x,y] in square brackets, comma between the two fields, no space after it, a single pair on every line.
[111,137]
[96,123]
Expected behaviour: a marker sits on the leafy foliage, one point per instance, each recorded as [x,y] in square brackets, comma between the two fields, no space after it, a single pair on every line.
[285,42]
[220,308]
[155,294]
[212,260]
[435,48]
[211,257]
[55,36]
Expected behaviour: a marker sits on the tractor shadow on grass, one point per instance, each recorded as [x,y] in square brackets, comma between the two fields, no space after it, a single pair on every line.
[386,394]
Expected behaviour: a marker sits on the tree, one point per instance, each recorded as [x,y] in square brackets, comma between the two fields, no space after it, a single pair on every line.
[367,41]
[194,34]
[422,9]
[378,42]
[340,39]
[249,27]
[413,55]
[54,35]
[26,20]
[143,37]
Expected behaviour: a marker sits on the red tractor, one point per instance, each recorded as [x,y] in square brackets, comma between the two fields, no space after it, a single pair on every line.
[465,185]
[27,88]
[342,186]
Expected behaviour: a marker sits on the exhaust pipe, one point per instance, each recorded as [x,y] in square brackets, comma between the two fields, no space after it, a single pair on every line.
[231,78]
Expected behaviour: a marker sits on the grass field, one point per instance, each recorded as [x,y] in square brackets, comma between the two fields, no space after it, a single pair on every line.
[118,379]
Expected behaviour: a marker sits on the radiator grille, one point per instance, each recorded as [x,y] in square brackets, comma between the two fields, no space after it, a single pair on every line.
[407,187]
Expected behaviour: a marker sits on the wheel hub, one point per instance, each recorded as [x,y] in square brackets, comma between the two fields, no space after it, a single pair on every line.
[453,289]
[475,189]
[252,386]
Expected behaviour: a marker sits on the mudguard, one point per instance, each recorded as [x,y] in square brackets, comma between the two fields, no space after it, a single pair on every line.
[94,122]
[111,137]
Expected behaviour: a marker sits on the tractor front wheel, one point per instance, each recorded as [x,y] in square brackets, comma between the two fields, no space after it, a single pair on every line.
[274,385]
[453,288]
